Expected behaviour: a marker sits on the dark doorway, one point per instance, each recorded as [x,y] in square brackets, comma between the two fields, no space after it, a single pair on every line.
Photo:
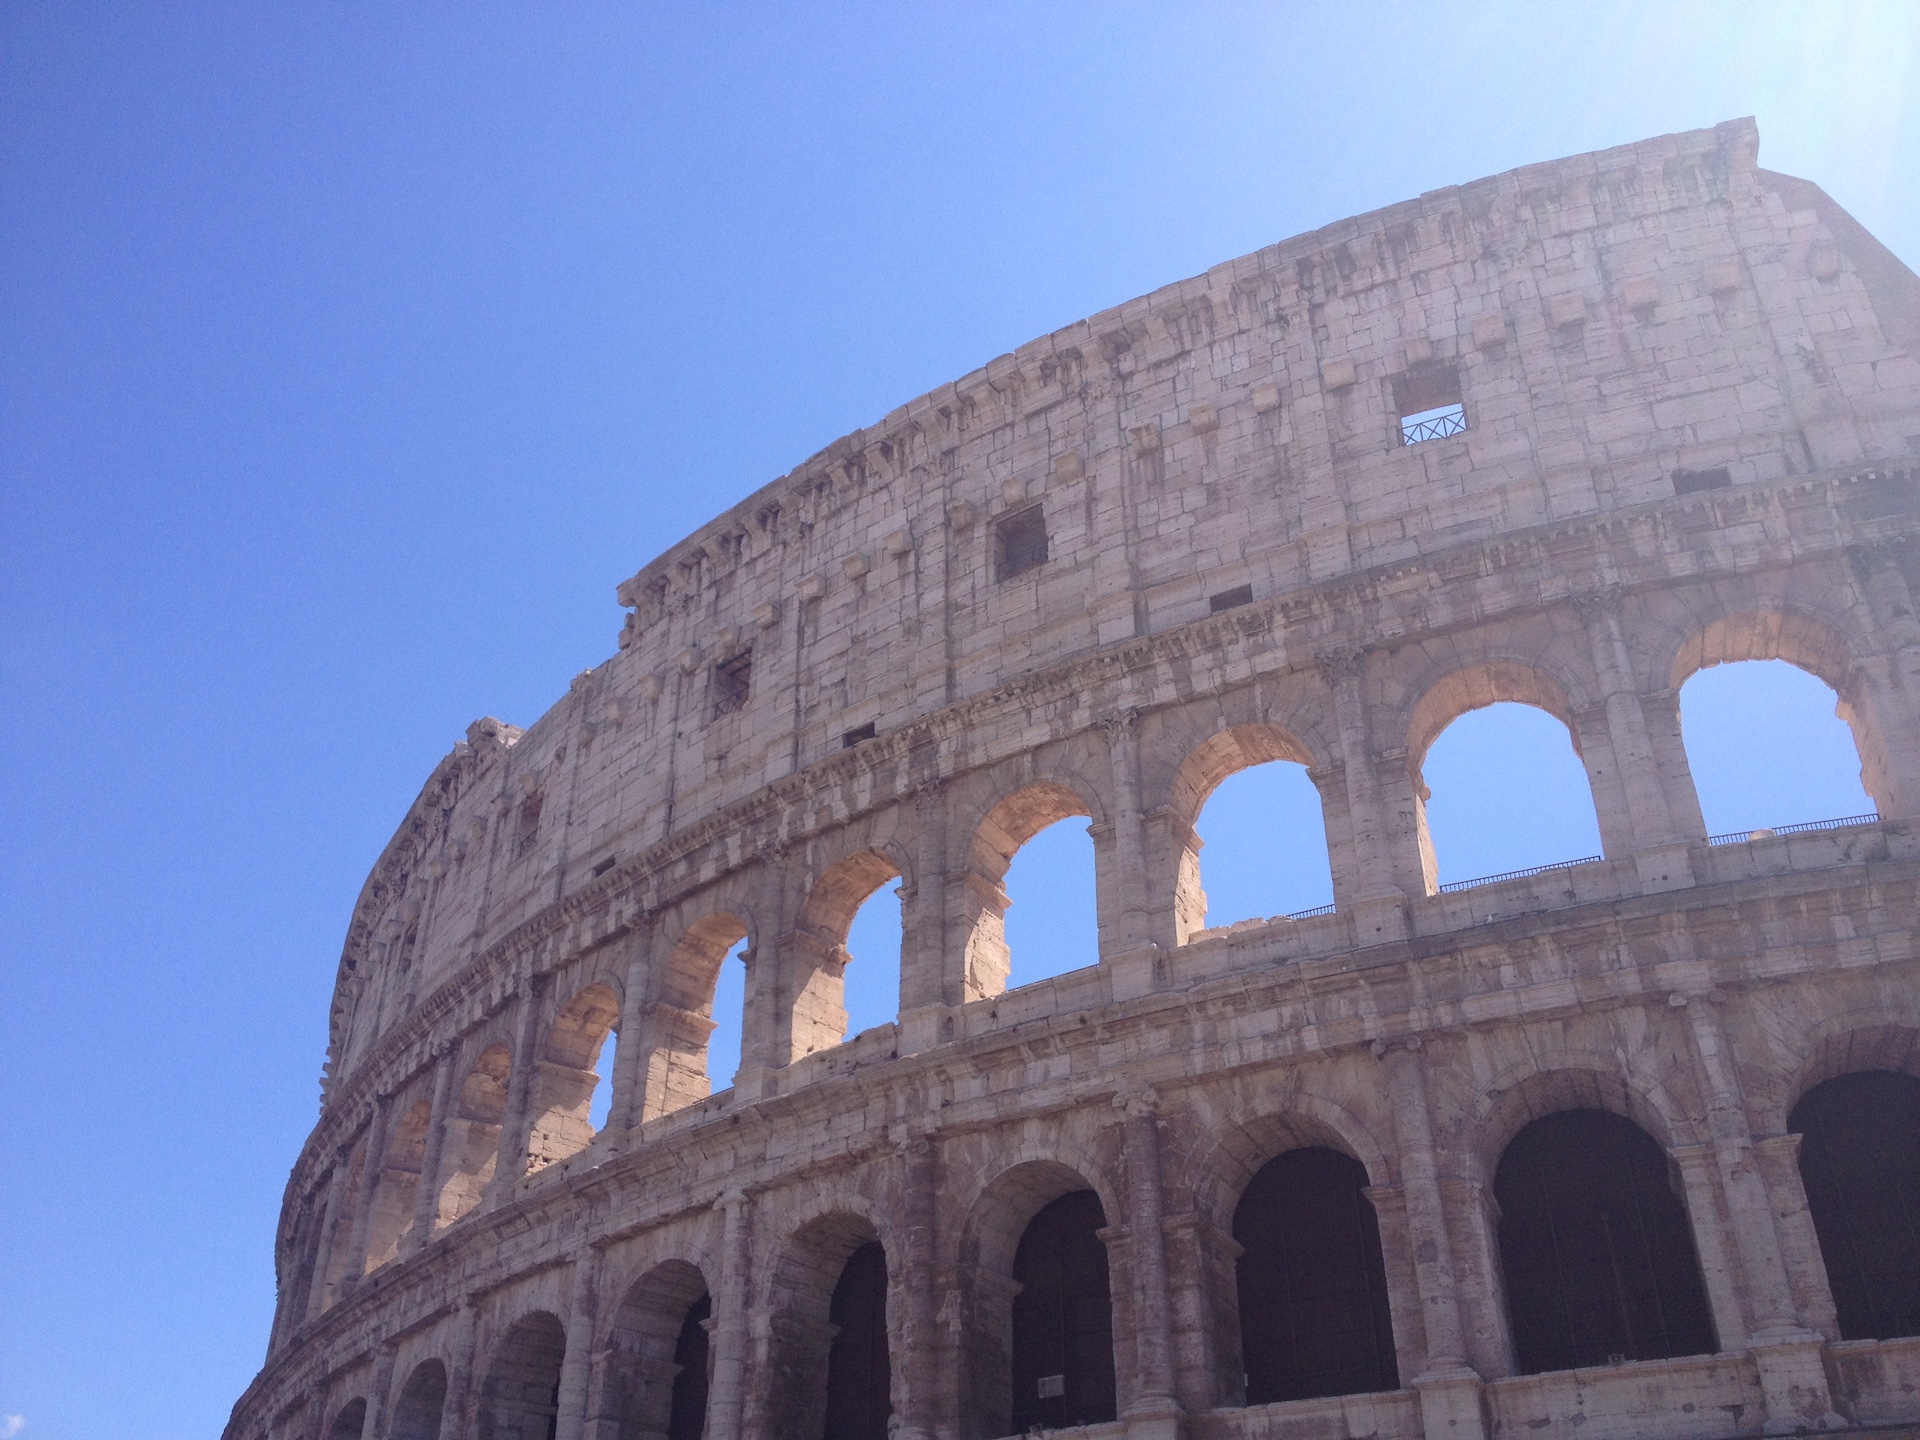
[1598,1253]
[687,1419]
[1860,1162]
[859,1374]
[1063,1318]
[416,1415]
[521,1399]
[1313,1289]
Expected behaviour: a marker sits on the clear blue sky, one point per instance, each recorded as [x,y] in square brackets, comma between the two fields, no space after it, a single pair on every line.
[352,354]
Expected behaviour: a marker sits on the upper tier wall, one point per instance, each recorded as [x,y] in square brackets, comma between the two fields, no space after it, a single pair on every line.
[1610,320]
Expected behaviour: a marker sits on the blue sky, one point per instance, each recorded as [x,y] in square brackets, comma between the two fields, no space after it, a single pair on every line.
[352,354]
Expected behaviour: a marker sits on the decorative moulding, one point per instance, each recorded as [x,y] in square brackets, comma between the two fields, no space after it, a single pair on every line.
[898,543]
[1145,438]
[1013,490]
[1068,466]
[811,587]
[1489,331]
[1266,397]
[1337,374]
[1568,311]
[854,566]
[1203,419]
[688,659]
[651,687]
[766,614]
[960,515]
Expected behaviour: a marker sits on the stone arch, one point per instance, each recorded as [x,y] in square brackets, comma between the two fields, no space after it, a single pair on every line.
[342,1267]
[817,959]
[565,1079]
[800,1332]
[678,1020]
[1226,1163]
[1809,642]
[471,1151]
[997,1216]
[644,1359]
[1199,774]
[521,1395]
[1880,1038]
[398,1189]
[1012,820]
[419,1410]
[1474,687]
[1525,1092]
[349,1420]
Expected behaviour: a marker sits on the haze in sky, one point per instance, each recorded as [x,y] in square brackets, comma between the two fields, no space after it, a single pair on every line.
[352,354]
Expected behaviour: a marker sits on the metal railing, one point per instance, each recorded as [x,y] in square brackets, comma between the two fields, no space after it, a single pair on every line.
[1433,426]
[1314,914]
[1453,885]
[1741,837]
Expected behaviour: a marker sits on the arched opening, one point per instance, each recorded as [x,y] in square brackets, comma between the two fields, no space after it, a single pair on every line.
[605,1066]
[416,1414]
[472,1147]
[568,1074]
[1596,1247]
[656,1367]
[829,1370]
[852,912]
[1769,745]
[1501,787]
[1860,1163]
[1062,1352]
[859,1370]
[399,1186]
[1032,854]
[693,1026]
[341,1263]
[521,1397]
[1246,796]
[1312,1285]
[349,1421]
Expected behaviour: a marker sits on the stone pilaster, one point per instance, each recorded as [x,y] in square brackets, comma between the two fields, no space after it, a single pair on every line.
[726,1399]
[570,1421]
[426,1200]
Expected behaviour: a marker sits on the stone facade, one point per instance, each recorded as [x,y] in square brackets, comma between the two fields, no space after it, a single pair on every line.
[1691,406]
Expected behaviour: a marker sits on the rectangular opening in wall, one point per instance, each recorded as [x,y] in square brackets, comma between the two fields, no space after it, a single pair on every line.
[732,680]
[1230,599]
[1019,542]
[603,867]
[1686,482]
[1429,404]
[859,733]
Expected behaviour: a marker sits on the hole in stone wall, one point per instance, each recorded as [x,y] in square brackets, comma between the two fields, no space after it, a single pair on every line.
[729,1007]
[1265,845]
[873,974]
[1230,599]
[1428,402]
[1052,923]
[732,682]
[1020,542]
[1687,482]
[601,1105]
[856,735]
[1767,749]
[604,866]
[1507,792]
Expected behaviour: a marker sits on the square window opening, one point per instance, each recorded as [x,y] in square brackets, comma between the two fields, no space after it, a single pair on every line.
[1020,543]
[1230,599]
[858,734]
[732,682]
[1428,403]
[1687,482]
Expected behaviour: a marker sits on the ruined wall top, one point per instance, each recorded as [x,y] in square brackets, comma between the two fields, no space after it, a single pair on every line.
[1614,329]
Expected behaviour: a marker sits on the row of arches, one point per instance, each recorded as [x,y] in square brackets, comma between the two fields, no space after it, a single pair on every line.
[1596,1254]
[694,1013]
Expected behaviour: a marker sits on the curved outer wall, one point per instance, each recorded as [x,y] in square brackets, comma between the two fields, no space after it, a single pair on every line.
[1693,409]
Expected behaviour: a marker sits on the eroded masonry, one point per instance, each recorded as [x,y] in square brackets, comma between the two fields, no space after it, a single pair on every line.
[1626,1148]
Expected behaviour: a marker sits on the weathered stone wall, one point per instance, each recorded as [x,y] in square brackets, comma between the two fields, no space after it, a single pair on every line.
[1692,405]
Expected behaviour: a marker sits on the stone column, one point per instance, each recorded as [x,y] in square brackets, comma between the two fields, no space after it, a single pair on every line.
[377,1420]
[456,1415]
[1790,1356]
[329,1223]
[928,983]
[426,1201]
[1699,1180]
[629,1087]
[370,1169]
[922,1367]
[1153,1399]
[1379,907]
[1884,691]
[1451,1403]
[512,1163]
[570,1422]
[726,1400]
[1659,854]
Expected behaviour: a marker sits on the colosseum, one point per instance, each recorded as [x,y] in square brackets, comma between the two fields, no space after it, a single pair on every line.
[1628,1147]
